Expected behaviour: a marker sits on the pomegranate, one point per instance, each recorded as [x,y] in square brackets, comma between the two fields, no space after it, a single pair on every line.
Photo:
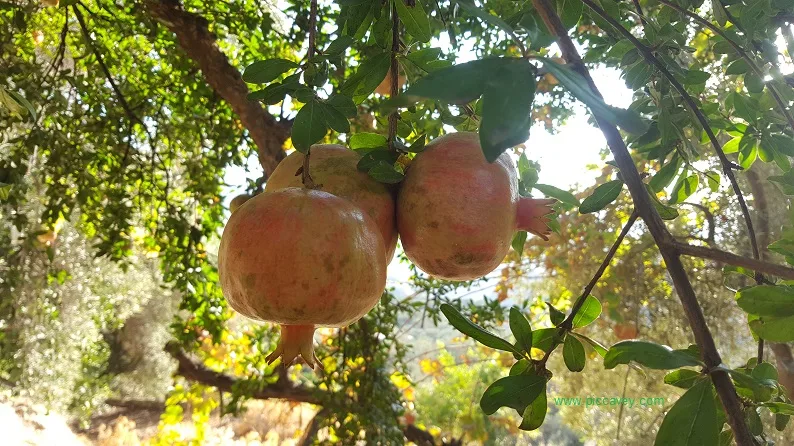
[333,169]
[238,201]
[302,259]
[456,213]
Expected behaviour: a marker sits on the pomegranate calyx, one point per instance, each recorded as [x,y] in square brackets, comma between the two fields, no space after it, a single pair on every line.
[531,216]
[296,341]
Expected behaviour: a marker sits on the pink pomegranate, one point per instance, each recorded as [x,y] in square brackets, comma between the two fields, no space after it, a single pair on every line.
[456,213]
[333,169]
[302,259]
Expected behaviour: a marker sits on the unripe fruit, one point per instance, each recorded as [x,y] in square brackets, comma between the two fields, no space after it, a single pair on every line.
[302,259]
[333,169]
[238,201]
[456,213]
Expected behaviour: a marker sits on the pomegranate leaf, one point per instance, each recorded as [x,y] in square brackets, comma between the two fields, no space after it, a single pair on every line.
[589,312]
[365,140]
[309,126]
[264,71]
[555,315]
[517,392]
[684,187]
[767,300]
[775,329]
[653,356]
[564,196]
[692,420]
[386,173]
[683,378]
[535,413]
[521,329]
[506,105]
[601,197]
[474,331]
[573,354]
[519,239]
[415,20]
[367,77]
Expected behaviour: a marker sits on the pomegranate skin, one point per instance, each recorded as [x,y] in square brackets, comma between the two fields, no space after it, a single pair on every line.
[333,169]
[456,213]
[301,258]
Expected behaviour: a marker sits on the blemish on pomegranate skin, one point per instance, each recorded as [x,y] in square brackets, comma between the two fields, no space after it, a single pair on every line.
[434,224]
[462,258]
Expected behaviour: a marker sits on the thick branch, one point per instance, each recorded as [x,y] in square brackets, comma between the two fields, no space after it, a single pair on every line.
[193,371]
[642,203]
[760,266]
[199,43]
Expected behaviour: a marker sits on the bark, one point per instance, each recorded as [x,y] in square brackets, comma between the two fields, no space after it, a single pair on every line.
[194,371]
[769,220]
[199,44]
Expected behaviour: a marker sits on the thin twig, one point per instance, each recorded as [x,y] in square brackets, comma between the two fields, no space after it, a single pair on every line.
[567,324]
[642,202]
[306,176]
[394,87]
[724,161]
[104,67]
[644,23]
[761,266]
[750,62]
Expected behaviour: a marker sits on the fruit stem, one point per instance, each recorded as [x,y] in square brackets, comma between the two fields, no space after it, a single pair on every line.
[306,177]
[531,213]
[296,341]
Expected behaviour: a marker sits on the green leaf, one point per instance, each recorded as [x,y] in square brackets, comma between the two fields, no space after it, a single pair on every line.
[5,190]
[753,82]
[753,421]
[783,144]
[264,71]
[718,10]
[344,104]
[334,118]
[535,413]
[517,392]
[726,438]
[458,84]
[418,145]
[780,408]
[386,173]
[573,354]
[474,331]
[781,421]
[597,346]
[683,378]
[665,212]
[654,356]
[764,371]
[589,312]
[628,120]
[24,103]
[519,239]
[696,77]
[555,315]
[506,105]
[339,45]
[665,175]
[554,192]
[685,187]
[487,18]
[309,126]
[569,11]
[775,329]
[738,66]
[527,174]
[545,339]
[692,421]
[422,58]
[520,366]
[732,146]
[519,325]
[767,300]
[537,32]
[415,20]
[713,179]
[367,77]
[603,195]
[785,182]
[365,140]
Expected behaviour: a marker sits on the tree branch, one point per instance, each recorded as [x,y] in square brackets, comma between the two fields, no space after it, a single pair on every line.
[717,30]
[199,44]
[761,266]
[724,161]
[394,71]
[193,371]
[642,203]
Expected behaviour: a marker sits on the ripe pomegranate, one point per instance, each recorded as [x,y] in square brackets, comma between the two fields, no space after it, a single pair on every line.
[456,213]
[301,258]
[238,201]
[333,169]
